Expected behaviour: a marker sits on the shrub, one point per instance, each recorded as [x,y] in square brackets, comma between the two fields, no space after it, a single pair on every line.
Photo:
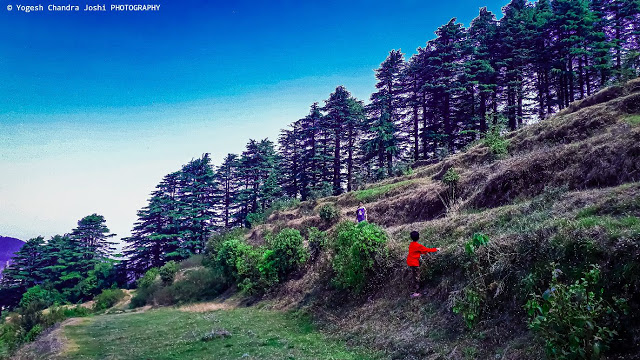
[40,296]
[495,141]
[283,204]
[317,240]
[249,276]
[138,300]
[239,261]
[76,311]
[199,284]
[329,213]
[286,252]
[470,305]
[107,298]
[254,219]
[215,243]
[168,272]
[227,255]
[147,285]
[357,249]
[574,320]
[477,240]
[148,279]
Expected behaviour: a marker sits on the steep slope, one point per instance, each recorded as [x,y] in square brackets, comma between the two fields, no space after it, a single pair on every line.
[568,194]
[8,246]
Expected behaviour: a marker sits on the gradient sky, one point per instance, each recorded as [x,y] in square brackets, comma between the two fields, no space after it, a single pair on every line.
[95,108]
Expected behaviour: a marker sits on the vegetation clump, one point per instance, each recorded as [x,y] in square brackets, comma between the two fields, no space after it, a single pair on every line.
[358,249]
[496,141]
[107,298]
[317,241]
[284,255]
[329,213]
[574,320]
[168,272]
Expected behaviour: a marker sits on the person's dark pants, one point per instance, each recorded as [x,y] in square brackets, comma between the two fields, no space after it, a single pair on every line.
[414,274]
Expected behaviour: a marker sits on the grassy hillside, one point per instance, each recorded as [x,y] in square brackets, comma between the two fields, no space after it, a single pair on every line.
[540,258]
[565,197]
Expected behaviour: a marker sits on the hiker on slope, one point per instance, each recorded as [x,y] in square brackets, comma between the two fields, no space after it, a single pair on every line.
[361,213]
[413,260]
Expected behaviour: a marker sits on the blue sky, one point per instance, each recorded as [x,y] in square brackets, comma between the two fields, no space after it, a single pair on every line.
[95,108]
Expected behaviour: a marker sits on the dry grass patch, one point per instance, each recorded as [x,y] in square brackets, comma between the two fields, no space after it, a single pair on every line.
[207,306]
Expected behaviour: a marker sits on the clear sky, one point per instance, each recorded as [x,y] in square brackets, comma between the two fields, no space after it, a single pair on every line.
[95,108]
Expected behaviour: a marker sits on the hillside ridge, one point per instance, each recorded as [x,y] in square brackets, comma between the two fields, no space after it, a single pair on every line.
[567,181]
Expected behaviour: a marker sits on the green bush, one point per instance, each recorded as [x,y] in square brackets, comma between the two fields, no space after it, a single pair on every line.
[107,298]
[41,296]
[495,141]
[147,286]
[199,284]
[76,311]
[317,241]
[254,219]
[227,255]
[138,300]
[283,204]
[574,320]
[240,262]
[215,243]
[168,272]
[148,279]
[248,264]
[357,250]
[477,240]
[470,305]
[329,213]
[286,252]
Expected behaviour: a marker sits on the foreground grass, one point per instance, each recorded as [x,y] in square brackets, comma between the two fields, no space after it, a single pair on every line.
[173,334]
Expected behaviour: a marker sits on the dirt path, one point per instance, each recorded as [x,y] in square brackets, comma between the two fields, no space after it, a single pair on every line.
[52,344]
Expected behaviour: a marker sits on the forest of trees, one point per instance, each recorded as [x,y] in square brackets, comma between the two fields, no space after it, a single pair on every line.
[67,268]
[534,61]
[531,63]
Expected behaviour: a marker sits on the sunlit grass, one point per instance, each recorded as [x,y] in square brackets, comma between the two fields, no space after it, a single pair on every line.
[377,192]
[633,120]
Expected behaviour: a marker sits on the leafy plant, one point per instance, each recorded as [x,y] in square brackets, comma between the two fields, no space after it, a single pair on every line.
[286,252]
[147,285]
[317,240]
[357,249]
[254,219]
[168,272]
[107,298]
[477,240]
[470,305]
[329,213]
[574,320]
[495,140]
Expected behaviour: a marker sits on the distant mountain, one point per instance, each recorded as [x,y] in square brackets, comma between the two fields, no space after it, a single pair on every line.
[8,246]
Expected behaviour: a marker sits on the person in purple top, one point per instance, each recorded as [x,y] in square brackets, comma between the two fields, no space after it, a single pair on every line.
[361,213]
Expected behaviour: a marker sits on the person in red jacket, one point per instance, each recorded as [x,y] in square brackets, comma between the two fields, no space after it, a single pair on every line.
[413,260]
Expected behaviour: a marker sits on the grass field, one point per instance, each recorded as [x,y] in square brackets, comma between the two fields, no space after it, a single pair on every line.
[168,333]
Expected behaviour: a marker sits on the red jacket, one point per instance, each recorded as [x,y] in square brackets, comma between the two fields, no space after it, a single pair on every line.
[415,250]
